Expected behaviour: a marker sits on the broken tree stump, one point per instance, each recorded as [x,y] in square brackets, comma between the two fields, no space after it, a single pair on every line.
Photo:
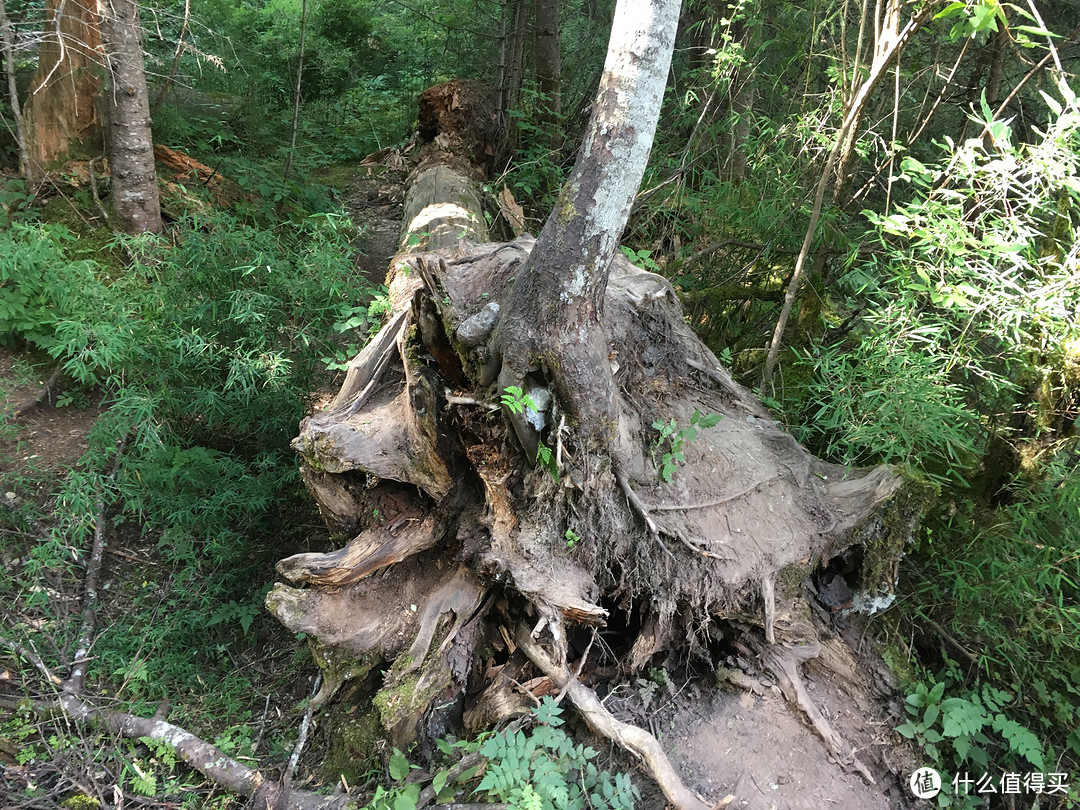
[502,519]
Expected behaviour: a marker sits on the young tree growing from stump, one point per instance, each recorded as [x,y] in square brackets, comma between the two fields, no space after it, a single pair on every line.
[535,439]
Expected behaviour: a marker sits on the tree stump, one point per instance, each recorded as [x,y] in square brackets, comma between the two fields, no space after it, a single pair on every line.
[473,519]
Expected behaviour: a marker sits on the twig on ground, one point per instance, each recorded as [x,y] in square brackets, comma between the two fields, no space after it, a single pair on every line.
[84,640]
[94,190]
[45,391]
[580,667]
[262,725]
[301,738]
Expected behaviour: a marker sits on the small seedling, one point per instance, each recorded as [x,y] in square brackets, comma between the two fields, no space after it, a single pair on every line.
[677,438]
[516,400]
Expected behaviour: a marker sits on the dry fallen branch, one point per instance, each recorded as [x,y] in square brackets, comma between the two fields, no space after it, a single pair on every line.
[75,681]
[45,391]
[208,760]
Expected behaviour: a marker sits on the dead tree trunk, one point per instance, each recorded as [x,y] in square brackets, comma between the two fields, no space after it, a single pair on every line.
[491,453]
[61,110]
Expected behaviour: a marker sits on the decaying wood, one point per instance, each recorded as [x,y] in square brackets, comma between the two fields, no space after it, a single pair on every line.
[184,166]
[420,411]
[367,553]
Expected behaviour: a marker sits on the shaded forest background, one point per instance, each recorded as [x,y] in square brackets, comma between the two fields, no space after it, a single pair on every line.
[937,327]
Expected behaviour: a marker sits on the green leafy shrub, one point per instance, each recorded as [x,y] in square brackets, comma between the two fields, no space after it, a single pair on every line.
[884,401]
[203,354]
[955,731]
[39,286]
[1015,602]
[544,770]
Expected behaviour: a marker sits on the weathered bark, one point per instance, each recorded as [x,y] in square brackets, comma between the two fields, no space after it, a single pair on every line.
[549,68]
[130,144]
[461,117]
[184,166]
[61,110]
[214,764]
[554,312]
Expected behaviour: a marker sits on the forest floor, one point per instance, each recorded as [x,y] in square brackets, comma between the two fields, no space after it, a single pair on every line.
[724,741]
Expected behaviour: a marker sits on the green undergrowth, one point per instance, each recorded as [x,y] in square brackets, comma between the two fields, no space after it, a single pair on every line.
[1001,589]
[201,353]
[539,768]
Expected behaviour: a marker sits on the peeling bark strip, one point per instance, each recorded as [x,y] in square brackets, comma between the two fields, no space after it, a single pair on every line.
[130,145]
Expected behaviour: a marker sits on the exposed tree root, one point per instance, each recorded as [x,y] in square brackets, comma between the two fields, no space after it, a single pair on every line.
[638,742]
[367,553]
[783,662]
[555,508]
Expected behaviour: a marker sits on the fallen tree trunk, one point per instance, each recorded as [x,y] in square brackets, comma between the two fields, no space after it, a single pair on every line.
[500,517]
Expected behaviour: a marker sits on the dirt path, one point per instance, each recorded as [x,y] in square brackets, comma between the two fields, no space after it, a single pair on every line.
[373,199]
[758,749]
[44,437]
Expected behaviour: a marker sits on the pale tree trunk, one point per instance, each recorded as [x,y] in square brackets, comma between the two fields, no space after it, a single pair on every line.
[556,304]
[549,67]
[61,110]
[130,144]
[13,91]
